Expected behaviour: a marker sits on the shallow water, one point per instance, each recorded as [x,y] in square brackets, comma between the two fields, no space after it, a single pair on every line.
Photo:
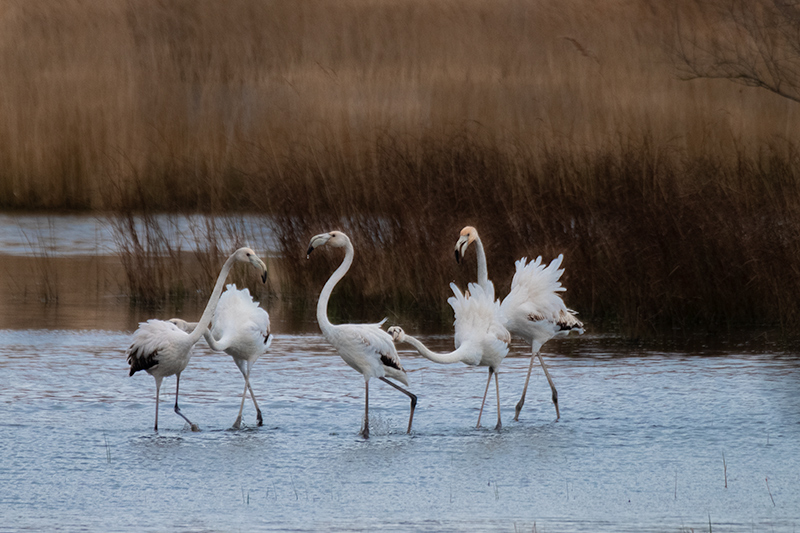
[59,235]
[639,446]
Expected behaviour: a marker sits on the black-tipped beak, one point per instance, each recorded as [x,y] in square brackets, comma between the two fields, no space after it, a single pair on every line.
[458,256]
[264,277]
[308,253]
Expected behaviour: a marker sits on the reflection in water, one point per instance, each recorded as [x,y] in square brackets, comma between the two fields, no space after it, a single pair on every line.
[638,448]
[89,292]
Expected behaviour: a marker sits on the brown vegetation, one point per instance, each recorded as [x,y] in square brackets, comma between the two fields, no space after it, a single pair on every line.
[551,126]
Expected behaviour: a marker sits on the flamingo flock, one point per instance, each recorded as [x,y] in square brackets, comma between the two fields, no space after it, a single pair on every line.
[234,323]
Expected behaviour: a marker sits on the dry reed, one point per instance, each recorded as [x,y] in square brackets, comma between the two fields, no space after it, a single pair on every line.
[551,126]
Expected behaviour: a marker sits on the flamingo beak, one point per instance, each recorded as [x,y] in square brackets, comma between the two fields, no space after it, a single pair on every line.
[317,241]
[461,248]
[259,264]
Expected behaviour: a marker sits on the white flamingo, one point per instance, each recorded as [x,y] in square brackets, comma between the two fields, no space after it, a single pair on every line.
[240,328]
[365,347]
[480,337]
[163,349]
[533,309]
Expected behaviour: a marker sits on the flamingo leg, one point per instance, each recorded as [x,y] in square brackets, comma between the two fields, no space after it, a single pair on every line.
[178,409]
[158,390]
[535,347]
[259,418]
[521,401]
[238,422]
[497,385]
[365,429]
[491,371]
[552,385]
[245,370]
[410,395]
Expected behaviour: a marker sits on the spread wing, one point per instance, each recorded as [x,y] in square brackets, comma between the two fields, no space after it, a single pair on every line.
[534,295]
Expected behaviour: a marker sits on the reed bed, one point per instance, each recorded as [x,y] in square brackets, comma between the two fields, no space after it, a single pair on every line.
[554,127]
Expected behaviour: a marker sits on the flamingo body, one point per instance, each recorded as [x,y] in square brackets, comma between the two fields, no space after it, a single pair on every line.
[366,348]
[481,338]
[533,309]
[159,348]
[162,348]
[241,329]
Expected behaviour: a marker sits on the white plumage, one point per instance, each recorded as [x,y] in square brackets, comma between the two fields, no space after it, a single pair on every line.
[162,349]
[365,347]
[240,328]
[480,338]
[533,309]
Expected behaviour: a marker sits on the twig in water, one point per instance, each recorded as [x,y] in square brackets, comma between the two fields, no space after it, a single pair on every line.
[709,522]
[108,450]
[725,469]
[769,491]
[676,483]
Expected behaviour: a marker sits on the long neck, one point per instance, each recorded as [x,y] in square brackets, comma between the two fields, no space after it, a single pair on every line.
[208,313]
[325,295]
[443,358]
[483,271]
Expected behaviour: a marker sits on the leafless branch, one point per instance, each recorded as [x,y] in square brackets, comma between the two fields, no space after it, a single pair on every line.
[751,42]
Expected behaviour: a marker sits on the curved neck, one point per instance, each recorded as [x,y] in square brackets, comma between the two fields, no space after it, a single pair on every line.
[325,295]
[208,313]
[483,271]
[443,358]
[213,343]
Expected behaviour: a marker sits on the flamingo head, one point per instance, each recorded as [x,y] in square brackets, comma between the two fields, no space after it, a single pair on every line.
[183,325]
[397,333]
[247,255]
[467,237]
[337,239]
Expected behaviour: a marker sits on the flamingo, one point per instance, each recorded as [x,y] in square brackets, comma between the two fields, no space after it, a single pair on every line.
[533,309]
[240,328]
[365,347]
[163,349]
[481,339]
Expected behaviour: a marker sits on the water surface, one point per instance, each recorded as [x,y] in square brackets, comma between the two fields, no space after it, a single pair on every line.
[639,446]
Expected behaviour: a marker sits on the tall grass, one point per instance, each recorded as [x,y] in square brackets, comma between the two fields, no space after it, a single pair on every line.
[167,262]
[552,126]
[650,239]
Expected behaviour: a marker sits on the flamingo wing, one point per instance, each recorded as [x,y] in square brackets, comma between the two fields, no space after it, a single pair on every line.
[534,294]
[478,323]
[374,346]
[152,339]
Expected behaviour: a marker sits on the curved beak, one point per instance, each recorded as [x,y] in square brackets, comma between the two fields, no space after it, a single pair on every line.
[461,247]
[259,264]
[316,242]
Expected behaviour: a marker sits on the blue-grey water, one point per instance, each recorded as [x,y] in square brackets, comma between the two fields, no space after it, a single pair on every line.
[60,235]
[639,446]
